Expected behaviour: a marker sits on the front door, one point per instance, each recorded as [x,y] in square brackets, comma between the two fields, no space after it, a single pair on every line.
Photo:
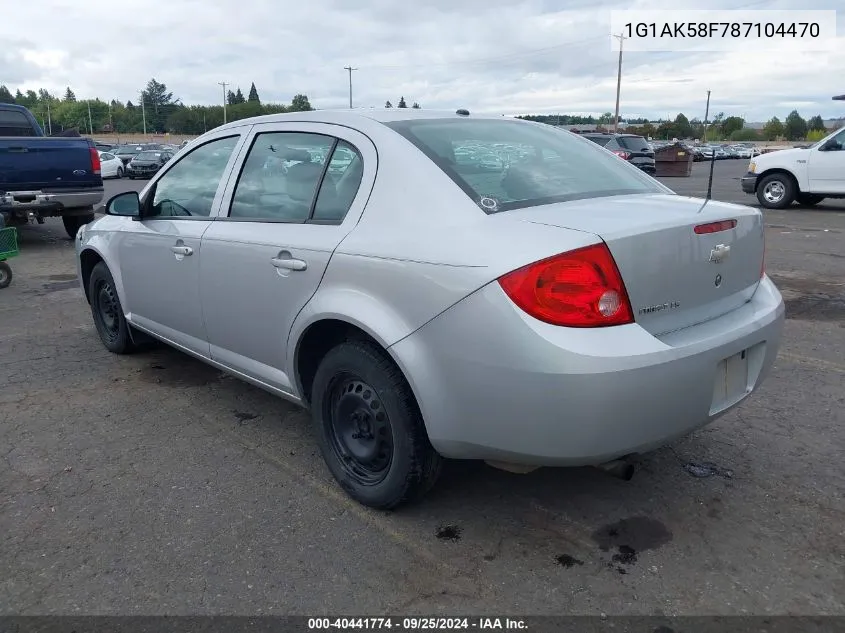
[160,254]
[827,167]
[296,197]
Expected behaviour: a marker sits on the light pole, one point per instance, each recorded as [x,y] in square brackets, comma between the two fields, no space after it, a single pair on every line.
[224,84]
[143,113]
[621,39]
[350,69]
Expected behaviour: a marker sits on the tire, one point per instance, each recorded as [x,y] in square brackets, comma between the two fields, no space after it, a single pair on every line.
[5,275]
[119,172]
[808,199]
[776,191]
[107,312]
[396,463]
[73,222]
[131,177]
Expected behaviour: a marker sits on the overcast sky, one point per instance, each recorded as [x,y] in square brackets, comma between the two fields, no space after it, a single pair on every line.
[510,56]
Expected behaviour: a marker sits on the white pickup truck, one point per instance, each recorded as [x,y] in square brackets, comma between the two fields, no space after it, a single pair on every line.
[805,175]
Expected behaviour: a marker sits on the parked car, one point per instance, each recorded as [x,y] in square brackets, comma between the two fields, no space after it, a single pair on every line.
[111,166]
[147,163]
[103,147]
[45,176]
[127,152]
[630,147]
[568,310]
[806,176]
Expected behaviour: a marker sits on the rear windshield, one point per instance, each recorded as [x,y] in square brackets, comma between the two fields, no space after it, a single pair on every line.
[634,143]
[600,140]
[15,123]
[127,150]
[506,164]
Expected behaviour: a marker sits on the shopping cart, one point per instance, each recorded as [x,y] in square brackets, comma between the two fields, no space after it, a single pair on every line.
[8,248]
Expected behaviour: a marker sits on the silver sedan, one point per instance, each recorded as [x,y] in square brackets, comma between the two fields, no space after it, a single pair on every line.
[561,308]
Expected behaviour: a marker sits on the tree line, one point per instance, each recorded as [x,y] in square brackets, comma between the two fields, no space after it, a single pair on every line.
[721,127]
[156,109]
[160,111]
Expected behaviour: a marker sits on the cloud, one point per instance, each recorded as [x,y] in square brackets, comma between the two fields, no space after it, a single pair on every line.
[514,56]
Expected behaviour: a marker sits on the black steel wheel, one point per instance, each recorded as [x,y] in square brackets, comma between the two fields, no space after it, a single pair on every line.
[359,429]
[5,275]
[369,427]
[107,311]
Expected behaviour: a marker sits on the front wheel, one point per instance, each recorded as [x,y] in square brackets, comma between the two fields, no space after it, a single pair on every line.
[5,275]
[107,312]
[808,199]
[73,222]
[776,191]
[370,429]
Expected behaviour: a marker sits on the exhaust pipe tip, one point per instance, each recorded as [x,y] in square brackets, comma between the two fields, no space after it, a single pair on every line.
[619,468]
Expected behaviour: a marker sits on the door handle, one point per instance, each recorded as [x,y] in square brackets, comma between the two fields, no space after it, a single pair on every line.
[289,264]
[182,250]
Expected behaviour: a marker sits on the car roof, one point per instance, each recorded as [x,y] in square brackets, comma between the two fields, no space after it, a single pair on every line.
[362,116]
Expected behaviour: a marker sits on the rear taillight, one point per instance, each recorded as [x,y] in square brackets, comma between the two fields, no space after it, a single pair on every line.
[95,160]
[581,288]
[622,154]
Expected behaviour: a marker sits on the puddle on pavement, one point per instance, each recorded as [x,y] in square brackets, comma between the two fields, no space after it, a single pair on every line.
[811,300]
[815,308]
[565,560]
[449,533]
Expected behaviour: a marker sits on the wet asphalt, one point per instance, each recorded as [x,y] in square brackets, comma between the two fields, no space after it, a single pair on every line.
[153,484]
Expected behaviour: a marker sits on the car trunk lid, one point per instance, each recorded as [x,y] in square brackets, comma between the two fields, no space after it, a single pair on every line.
[676,275]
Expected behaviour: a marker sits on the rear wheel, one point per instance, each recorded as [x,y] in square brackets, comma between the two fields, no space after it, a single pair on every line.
[776,191]
[120,172]
[73,222]
[107,311]
[5,275]
[808,199]
[369,427]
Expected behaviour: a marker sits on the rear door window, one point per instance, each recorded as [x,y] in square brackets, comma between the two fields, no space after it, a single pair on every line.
[280,177]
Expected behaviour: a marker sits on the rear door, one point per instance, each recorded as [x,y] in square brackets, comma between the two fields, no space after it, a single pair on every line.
[297,192]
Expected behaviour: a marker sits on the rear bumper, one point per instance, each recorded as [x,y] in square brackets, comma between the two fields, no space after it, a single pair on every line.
[51,203]
[749,183]
[522,391]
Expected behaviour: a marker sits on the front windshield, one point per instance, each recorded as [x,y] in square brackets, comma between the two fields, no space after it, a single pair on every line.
[507,164]
[148,156]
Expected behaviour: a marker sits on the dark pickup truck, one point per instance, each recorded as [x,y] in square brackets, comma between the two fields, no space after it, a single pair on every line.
[45,176]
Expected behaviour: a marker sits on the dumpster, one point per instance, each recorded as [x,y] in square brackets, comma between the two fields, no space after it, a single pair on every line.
[673,160]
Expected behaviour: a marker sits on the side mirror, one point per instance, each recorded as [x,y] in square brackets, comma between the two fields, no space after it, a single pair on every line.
[126,204]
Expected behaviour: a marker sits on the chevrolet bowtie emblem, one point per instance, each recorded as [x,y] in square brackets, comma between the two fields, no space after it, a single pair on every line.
[720,253]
